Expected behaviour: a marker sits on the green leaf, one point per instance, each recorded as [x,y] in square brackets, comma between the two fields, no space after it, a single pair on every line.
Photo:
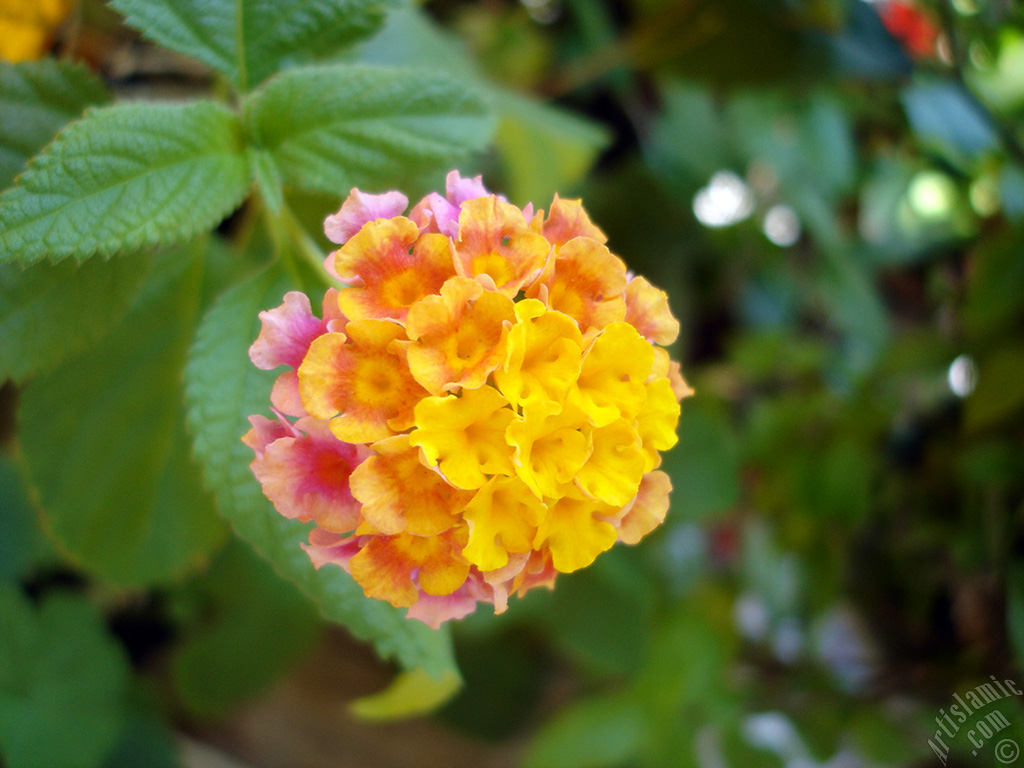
[865,48]
[845,281]
[411,38]
[770,573]
[245,604]
[146,742]
[331,128]
[737,749]
[36,99]
[835,480]
[945,116]
[21,540]
[105,446]
[248,40]
[600,596]
[223,389]
[690,139]
[741,43]
[1011,192]
[995,290]
[999,395]
[1000,86]
[705,465]
[689,658]
[810,146]
[123,177]
[506,674]
[62,682]
[49,311]
[600,732]
[268,179]
[882,740]
[544,149]
[684,686]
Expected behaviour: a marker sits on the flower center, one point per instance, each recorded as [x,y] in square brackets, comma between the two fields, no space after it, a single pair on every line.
[495,265]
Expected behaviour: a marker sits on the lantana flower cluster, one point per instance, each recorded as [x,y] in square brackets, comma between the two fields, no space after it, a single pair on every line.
[480,407]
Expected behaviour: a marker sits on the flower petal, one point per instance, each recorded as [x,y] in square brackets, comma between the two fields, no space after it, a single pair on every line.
[572,533]
[539,571]
[355,377]
[585,281]
[459,190]
[647,310]
[458,337]
[503,517]
[492,413]
[435,215]
[649,509]
[611,382]
[434,610]
[360,208]
[549,446]
[496,243]
[464,437]
[285,397]
[399,494]
[388,567]
[680,388]
[656,423]
[613,470]
[545,350]
[325,547]
[286,333]
[567,220]
[265,431]
[307,476]
[389,267]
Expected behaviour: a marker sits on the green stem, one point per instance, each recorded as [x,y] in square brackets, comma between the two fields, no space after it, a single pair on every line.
[283,247]
[243,73]
[293,245]
[73,36]
[306,247]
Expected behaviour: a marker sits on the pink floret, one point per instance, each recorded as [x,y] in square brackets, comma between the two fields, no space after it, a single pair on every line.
[285,336]
[286,333]
[459,190]
[306,476]
[325,547]
[434,610]
[435,214]
[265,431]
[441,214]
[360,208]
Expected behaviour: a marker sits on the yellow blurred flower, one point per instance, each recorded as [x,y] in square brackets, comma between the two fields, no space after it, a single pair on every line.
[27,27]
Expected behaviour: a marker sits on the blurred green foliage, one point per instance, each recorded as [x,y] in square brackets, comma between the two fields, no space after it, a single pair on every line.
[832,192]
[835,214]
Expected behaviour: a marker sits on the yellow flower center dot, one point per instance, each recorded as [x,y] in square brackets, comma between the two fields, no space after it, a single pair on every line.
[403,290]
[495,265]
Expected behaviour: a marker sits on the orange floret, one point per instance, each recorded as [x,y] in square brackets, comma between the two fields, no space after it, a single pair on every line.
[354,380]
[497,246]
[390,267]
